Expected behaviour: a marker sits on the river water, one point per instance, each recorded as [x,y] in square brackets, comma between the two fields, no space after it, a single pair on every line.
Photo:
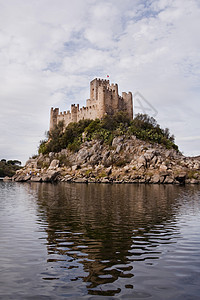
[99,241]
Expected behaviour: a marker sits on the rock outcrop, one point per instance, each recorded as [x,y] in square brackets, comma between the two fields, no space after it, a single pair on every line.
[127,160]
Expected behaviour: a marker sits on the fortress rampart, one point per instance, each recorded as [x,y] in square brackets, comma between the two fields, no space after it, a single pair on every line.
[104,99]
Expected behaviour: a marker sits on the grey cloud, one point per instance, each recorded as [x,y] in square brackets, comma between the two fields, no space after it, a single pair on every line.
[49,51]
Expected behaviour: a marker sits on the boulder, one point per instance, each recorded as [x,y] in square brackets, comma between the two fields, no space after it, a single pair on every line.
[149,154]
[27,177]
[7,178]
[68,178]
[51,154]
[141,162]
[169,180]
[94,159]
[20,178]
[155,179]
[31,163]
[91,180]
[142,180]
[107,153]
[163,168]
[105,180]
[196,166]
[105,160]
[51,175]
[36,178]
[126,169]
[54,164]
[194,181]
[81,180]
[170,153]
[83,154]
[147,178]
[162,178]
[64,152]
[153,161]
[108,171]
[119,148]
[117,140]
[96,147]
[74,168]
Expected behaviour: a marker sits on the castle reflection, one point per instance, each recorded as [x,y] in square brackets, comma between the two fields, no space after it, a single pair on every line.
[96,233]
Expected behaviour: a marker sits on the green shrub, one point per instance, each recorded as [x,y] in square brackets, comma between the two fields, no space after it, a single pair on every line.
[102,134]
[142,126]
[43,148]
[92,127]
[75,145]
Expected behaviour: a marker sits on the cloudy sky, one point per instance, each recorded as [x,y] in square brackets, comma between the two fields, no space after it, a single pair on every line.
[50,51]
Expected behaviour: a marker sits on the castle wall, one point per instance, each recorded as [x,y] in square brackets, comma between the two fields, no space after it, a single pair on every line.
[66,117]
[104,99]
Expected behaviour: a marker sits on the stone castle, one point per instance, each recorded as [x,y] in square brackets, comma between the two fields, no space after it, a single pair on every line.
[104,99]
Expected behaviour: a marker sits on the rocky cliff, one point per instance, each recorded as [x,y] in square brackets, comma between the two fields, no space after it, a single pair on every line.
[127,160]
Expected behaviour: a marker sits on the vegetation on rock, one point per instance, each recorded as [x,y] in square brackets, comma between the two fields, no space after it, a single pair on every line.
[142,126]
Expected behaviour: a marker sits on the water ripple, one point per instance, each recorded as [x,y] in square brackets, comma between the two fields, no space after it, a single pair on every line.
[84,241]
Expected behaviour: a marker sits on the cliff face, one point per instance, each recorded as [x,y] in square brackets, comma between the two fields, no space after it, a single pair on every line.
[128,160]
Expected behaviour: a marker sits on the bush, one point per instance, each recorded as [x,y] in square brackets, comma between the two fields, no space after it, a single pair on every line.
[43,149]
[146,128]
[142,126]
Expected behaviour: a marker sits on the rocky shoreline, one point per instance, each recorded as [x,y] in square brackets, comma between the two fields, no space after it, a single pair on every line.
[127,160]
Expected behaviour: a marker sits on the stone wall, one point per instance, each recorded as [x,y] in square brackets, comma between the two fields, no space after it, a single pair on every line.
[104,99]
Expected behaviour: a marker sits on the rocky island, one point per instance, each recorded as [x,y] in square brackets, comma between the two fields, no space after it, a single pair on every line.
[102,143]
[95,155]
[128,160]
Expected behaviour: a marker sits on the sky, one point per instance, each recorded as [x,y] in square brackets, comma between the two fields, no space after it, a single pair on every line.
[51,50]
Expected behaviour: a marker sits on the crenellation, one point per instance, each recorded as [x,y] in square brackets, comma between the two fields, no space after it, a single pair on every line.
[104,99]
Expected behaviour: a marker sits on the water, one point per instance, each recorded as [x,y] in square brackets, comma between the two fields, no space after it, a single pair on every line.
[95,241]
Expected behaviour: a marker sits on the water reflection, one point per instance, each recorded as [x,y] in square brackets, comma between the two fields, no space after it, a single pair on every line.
[97,233]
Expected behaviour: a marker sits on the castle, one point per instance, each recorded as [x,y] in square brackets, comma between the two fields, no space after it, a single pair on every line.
[104,99]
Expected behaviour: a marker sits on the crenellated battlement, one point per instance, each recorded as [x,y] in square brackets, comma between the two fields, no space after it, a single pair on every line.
[104,99]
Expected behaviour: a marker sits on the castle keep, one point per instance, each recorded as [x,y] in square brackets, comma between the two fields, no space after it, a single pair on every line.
[104,99]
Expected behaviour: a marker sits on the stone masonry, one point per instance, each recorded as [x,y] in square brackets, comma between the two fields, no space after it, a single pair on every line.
[104,99]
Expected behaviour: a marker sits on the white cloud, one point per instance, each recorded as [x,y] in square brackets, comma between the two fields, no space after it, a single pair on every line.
[49,51]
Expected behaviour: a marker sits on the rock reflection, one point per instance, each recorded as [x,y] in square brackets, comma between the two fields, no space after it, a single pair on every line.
[97,232]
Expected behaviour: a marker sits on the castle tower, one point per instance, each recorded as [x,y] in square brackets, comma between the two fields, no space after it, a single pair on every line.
[128,103]
[74,111]
[94,85]
[53,117]
[104,99]
[115,97]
